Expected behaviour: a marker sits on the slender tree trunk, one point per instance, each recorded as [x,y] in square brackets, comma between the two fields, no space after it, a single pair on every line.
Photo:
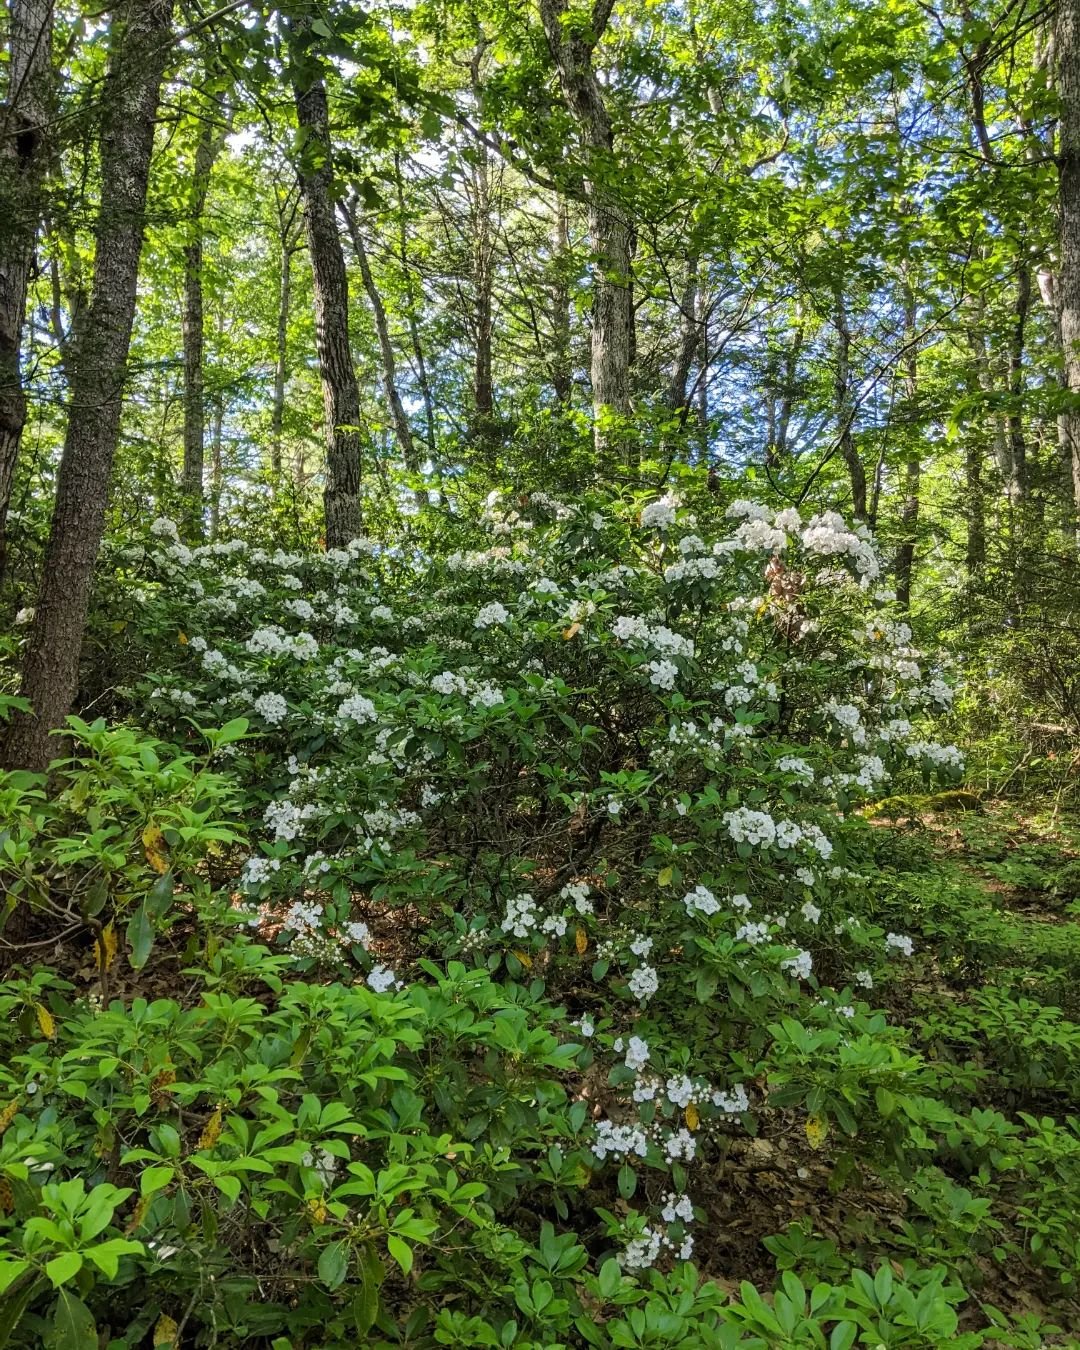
[561,361]
[139,48]
[288,244]
[985,376]
[610,233]
[217,468]
[398,418]
[209,146]
[23,160]
[341,395]
[1017,487]
[689,338]
[976,507]
[411,307]
[483,384]
[909,511]
[1067,74]
[845,412]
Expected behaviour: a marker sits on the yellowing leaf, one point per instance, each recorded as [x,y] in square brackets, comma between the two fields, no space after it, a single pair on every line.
[817,1130]
[693,1117]
[182,639]
[45,1021]
[761,609]
[105,948]
[317,1209]
[157,854]
[572,631]
[664,879]
[581,941]
[165,1330]
[211,1131]
[8,1114]
[524,958]
[138,1215]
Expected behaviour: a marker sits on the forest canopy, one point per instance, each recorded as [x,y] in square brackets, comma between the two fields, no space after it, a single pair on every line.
[539,674]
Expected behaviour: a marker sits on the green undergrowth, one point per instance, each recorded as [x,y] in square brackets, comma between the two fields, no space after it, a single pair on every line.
[500,949]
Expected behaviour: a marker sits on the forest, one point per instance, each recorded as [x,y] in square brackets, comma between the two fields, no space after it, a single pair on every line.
[539,674]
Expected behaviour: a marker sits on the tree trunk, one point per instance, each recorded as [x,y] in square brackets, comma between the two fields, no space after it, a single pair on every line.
[341,395]
[483,385]
[845,412]
[287,245]
[209,146]
[217,470]
[909,511]
[610,233]
[138,52]
[398,418]
[1017,485]
[561,361]
[689,338]
[23,160]
[1067,74]
[410,311]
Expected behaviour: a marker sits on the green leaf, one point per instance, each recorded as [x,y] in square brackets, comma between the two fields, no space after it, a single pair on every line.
[154,1178]
[73,1324]
[63,1268]
[140,937]
[334,1264]
[401,1252]
[610,1277]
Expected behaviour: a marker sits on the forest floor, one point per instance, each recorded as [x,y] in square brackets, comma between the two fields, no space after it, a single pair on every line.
[993,897]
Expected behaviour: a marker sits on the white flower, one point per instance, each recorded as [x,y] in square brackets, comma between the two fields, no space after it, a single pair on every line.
[663,674]
[271,708]
[381,978]
[637,1053]
[357,709]
[641,1251]
[800,965]
[494,613]
[701,901]
[644,982]
[619,1140]
[681,1144]
[658,515]
[358,933]
[257,870]
[897,942]
[520,915]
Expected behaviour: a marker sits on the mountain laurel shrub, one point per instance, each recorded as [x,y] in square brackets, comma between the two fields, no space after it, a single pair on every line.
[554,893]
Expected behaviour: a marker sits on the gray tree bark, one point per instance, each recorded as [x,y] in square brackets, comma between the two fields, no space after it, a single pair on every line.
[1067,78]
[398,418]
[909,510]
[845,412]
[610,232]
[561,363]
[341,394]
[23,161]
[138,51]
[208,147]
[288,244]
